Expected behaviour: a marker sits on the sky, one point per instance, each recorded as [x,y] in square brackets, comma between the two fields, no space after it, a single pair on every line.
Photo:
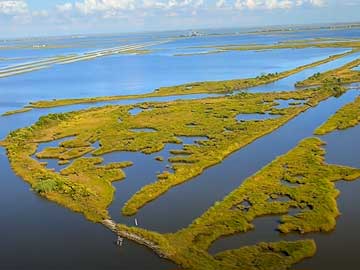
[22,18]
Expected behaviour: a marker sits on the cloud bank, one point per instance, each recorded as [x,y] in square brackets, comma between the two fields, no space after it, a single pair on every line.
[134,15]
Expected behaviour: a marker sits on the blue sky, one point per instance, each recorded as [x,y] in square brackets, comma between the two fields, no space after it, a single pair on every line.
[38,17]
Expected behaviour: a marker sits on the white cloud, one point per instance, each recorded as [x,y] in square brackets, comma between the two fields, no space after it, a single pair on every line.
[250,4]
[275,4]
[40,13]
[285,4]
[64,7]
[90,11]
[13,7]
[153,4]
[318,3]
[114,8]
[171,4]
[172,14]
[221,3]
[111,8]
[106,6]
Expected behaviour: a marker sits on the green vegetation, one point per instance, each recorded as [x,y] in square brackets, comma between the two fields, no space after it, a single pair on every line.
[63,153]
[216,120]
[314,195]
[84,186]
[215,117]
[144,51]
[16,111]
[343,75]
[159,158]
[295,44]
[346,117]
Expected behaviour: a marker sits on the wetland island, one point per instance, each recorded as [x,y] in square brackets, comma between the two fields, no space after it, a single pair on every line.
[216,149]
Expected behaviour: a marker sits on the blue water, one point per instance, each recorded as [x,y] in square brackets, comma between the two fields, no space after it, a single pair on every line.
[255,116]
[67,45]
[341,148]
[136,74]
[288,84]
[188,45]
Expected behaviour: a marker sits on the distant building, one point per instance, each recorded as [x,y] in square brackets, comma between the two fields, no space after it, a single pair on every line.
[192,34]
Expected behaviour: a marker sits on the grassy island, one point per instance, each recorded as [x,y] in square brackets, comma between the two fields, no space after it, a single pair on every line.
[216,121]
[298,180]
[16,111]
[346,117]
[313,193]
[343,75]
[292,44]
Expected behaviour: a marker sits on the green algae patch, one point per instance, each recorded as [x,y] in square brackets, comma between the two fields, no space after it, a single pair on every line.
[212,87]
[314,194]
[347,117]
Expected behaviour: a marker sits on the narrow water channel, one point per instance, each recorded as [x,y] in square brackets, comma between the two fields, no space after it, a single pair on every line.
[331,252]
[288,83]
[182,204]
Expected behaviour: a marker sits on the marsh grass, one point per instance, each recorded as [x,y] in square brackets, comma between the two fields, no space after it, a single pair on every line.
[348,116]
[170,122]
[314,201]
[342,75]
